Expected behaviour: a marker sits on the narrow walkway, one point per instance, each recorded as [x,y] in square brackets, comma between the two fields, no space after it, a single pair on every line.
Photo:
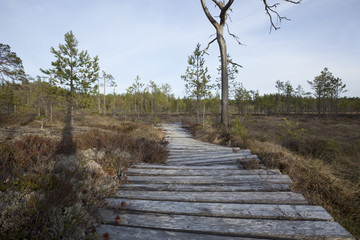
[204,192]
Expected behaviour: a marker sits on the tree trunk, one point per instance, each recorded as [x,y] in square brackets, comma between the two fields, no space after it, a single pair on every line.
[203,115]
[224,78]
[114,105]
[152,103]
[197,109]
[104,97]
[288,105]
[319,105]
[51,111]
[99,102]
[223,55]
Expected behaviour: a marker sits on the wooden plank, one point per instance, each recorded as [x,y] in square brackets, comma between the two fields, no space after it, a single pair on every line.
[197,154]
[131,233]
[212,161]
[232,226]
[226,179]
[174,146]
[206,158]
[190,151]
[258,211]
[234,164]
[213,156]
[160,166]
[214,150]
[238,187]
[223,197]
[179,143]
[197,172]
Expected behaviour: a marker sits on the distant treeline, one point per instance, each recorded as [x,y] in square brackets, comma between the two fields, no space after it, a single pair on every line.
[74,82]
[41,99]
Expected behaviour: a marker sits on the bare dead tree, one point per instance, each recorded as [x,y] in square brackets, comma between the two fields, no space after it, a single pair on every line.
[225,6]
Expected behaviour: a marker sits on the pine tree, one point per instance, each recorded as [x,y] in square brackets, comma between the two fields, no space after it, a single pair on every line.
[11,71]
[11,67]
[320,86]
[196,78]
[74,69]
[288,90]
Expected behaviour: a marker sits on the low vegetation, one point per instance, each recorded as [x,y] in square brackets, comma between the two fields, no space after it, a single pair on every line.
[45,194]
[320,156]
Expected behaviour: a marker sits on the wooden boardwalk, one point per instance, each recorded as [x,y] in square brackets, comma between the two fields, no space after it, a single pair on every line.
[204,192]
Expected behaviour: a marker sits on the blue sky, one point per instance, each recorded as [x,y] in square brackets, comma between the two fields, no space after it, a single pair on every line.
[153,38]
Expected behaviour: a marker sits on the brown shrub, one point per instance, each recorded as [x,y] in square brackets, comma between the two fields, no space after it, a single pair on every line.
[50,196]
[140,147]
[29,154]
[33,151]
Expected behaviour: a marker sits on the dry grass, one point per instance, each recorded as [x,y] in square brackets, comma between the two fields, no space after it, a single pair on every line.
[335,142]
[316,181]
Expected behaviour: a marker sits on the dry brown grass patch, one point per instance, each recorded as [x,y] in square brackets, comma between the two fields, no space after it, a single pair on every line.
[316,181]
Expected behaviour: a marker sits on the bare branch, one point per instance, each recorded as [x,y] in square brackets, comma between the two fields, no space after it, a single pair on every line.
[212,35]
[271,12]
[223,12]
[228,16]
[204,51]
[208,15]
[219,4]
[233,35]
[294,2]
[229,61]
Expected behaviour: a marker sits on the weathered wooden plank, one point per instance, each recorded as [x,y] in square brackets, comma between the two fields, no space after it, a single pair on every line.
[190,151]
[215,151]
[258,211]
[197,172]
[279,178]
[214,161]
[224,197]
[160,166]
[228,164]
[187,143]
[213,156]
[198,154]
[208,160]
[184,143]
[131,233]
[232,226]
[236,187]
